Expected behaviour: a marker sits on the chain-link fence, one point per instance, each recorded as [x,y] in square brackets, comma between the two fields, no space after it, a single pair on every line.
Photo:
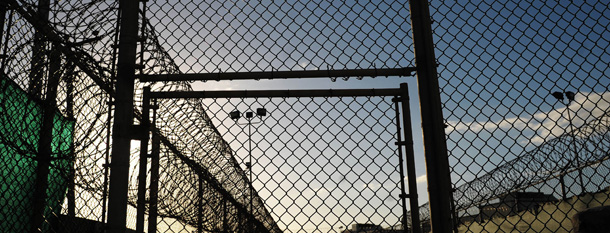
[56,68]
[299,164]
[524,87]
[61,55]
[525,93]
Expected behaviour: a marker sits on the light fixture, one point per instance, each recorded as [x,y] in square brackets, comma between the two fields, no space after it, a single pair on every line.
[261,112]
[235,115]
[558,95]
[570,95]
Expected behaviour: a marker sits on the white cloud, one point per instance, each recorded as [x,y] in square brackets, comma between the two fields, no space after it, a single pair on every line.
[303,64]
[423,179]
[372,186]
[544,125]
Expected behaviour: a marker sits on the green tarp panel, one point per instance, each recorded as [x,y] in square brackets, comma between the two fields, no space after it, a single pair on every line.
[20,124]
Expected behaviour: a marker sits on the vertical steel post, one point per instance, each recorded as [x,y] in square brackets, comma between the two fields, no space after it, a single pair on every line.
[403,195]
[3,7]
[435,145]
[106,162]
[563,186]
[6,39]
[71,195]
[410,156]
[154,174]
[44,153]
[145,126]
[123,117]
[38,52]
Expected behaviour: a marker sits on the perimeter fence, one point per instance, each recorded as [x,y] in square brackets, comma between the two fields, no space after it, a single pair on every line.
[60,59]
[524,87]
[56,69]
[525,92]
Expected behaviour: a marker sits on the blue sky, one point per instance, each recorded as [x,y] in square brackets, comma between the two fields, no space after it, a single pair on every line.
[501,61]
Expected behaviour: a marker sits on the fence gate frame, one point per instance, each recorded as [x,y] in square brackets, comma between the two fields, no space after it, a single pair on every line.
[400,100]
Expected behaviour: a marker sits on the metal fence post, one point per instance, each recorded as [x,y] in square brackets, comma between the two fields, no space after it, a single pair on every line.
[154,173]
[123,120]
[39,51]
[4,38]
[437,162]
[410,157]
[43,155]
[145,127]
[3,8]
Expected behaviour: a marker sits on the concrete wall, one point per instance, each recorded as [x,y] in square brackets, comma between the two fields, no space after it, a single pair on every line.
[551,217]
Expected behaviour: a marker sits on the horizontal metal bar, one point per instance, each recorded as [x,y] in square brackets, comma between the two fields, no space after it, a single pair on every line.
[407,71]
[275,93]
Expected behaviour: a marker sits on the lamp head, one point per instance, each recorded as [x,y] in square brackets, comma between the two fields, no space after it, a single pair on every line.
[249,115]
[235,115]
[557,95]
[261,112]
[570,95]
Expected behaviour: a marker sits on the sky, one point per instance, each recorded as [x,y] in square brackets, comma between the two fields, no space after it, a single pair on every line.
[498,62]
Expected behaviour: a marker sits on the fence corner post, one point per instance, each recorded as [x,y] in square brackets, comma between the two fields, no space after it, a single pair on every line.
[435,145]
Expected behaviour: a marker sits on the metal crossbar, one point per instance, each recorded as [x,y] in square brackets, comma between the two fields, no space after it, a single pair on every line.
[278,75]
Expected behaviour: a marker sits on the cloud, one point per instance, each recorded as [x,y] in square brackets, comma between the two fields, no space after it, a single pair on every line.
[303,65]
[423,179]
[543,125]
[372,186]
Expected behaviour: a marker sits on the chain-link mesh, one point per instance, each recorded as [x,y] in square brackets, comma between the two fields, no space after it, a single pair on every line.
[307,165]
[242,36]
[62,53]
[59,54]
[525,92]
[524,87]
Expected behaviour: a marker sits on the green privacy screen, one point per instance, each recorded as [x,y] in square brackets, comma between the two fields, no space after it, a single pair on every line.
[20,125]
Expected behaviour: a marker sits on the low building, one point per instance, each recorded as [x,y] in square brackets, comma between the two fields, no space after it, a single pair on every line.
[370,228]
[513,203]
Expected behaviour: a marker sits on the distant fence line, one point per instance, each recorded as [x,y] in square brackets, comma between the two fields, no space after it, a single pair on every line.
[548,161]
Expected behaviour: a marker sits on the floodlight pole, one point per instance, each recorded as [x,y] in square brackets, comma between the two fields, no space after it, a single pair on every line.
[577,160]
[250,170]
[249,115]
[570,95]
